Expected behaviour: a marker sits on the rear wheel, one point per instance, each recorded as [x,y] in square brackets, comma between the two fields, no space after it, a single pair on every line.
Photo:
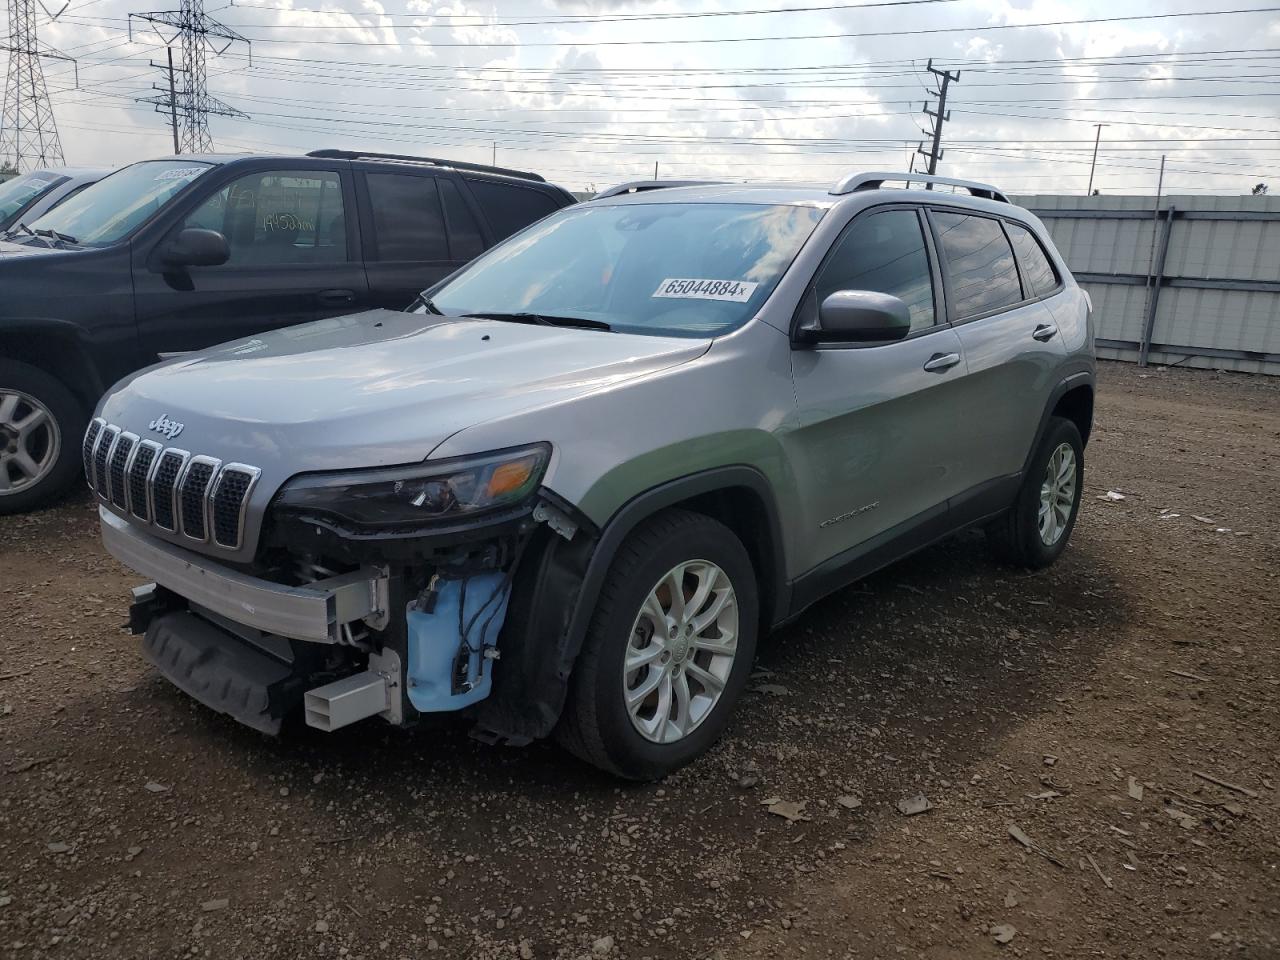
[668,651]
[40,429]
[1036,529]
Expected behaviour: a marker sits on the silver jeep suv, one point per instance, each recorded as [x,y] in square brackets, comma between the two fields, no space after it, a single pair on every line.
[566,491]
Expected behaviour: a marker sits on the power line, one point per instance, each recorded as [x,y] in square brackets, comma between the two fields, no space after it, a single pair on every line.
[681,41]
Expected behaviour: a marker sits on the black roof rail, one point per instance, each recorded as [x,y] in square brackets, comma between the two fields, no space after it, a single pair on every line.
[434,161]
[640,186]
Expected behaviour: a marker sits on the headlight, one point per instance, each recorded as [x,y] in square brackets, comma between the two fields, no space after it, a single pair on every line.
[443,491]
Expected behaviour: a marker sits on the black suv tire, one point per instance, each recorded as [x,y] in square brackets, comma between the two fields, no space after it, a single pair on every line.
[68,423]
[596,726]
[1015,536]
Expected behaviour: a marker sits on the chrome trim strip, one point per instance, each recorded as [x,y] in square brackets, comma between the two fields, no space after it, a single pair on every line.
[181,519]
[128,462]
[315,612]
[254,473]
[173,494]
[88,460]
[105,492]
[158,450]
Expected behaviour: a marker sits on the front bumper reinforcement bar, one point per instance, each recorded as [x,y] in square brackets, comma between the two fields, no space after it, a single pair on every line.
[314,612]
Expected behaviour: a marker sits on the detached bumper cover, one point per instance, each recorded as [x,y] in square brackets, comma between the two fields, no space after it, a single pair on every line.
[315,612]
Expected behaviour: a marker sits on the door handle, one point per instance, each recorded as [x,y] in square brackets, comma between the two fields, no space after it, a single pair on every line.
[336,297]
[941,361]
[1044,331]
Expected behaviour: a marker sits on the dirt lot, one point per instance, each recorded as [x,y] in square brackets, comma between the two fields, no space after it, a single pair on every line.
[1119,711]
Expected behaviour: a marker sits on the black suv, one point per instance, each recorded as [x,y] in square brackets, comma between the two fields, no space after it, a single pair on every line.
[167,256]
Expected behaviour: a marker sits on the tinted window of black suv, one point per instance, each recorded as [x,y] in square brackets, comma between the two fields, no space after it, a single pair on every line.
[169,256]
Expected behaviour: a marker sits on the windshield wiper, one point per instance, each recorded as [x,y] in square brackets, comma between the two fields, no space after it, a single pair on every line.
[543,320]
[46,232]
[28,231]
[426,304]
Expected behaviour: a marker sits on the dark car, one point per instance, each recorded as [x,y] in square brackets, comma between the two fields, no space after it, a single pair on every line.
[31,195]
[171,255]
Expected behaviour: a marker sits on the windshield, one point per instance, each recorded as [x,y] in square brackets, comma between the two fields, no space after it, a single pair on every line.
[18,193]
[692,269]
[110,209]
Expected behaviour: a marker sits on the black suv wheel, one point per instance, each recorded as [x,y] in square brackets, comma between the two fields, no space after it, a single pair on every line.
[41,425]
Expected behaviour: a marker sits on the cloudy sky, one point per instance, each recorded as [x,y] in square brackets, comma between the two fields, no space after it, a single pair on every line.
[591,92]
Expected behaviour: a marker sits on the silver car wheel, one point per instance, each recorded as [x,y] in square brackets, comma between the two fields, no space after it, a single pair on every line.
[29,441]
[681,651]
[1057,493]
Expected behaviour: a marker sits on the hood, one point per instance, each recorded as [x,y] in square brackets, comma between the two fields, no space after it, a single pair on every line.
[374,388]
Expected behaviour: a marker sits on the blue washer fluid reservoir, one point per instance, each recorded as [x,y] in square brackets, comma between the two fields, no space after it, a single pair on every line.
[435,640]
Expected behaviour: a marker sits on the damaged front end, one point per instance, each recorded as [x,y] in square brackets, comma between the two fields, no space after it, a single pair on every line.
[382,593]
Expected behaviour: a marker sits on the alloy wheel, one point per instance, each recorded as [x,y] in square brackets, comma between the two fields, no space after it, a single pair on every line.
[29,441]
[681,651]
[1057,493]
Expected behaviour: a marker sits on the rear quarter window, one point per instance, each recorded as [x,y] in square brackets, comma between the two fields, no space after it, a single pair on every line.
[510,208]
[1037,268]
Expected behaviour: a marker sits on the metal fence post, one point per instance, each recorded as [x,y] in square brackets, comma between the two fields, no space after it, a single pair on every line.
[1153,302]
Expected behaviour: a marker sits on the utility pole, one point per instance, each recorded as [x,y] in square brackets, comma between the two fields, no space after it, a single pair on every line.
[167,104]
[28,132]
[1096,140]
[192,103]
[940,116]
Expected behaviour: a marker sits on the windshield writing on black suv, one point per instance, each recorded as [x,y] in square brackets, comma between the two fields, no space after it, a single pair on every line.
[691,269]
[110,209]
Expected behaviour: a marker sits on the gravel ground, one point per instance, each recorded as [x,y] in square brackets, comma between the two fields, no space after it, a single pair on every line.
[1118,713]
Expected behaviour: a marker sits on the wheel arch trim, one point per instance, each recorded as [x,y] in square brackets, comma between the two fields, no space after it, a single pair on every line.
[1072,381]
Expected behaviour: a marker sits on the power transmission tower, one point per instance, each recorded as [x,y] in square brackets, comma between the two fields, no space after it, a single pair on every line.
[941,115]
[28,132]
[191,104]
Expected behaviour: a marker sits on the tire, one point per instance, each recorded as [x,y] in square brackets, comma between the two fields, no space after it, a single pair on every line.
[597,725]
[1018,537]
[53,446]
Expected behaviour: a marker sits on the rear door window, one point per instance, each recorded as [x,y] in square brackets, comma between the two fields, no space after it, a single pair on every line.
[981,272]
[883,253]
[465,240]
[1037,269]
[510,208]
[408,223]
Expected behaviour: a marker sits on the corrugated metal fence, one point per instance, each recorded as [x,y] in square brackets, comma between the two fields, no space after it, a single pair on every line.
[1196,283]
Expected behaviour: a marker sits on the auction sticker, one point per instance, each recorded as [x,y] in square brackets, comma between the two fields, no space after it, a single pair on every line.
[735,291]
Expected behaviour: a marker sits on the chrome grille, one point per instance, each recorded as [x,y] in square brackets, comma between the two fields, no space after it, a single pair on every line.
[120,457]
[101,454]
[140,476]
[86,451]
[170,488]
[192,492]
[162,487]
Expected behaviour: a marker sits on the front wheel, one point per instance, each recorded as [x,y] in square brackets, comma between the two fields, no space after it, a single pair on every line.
[1035,530]
[668,651]
[40,428]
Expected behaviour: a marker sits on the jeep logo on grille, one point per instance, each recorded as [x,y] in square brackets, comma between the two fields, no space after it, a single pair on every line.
[163,425]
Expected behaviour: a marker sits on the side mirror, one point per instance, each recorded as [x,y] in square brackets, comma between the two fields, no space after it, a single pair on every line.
[196,247]
[859,316]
